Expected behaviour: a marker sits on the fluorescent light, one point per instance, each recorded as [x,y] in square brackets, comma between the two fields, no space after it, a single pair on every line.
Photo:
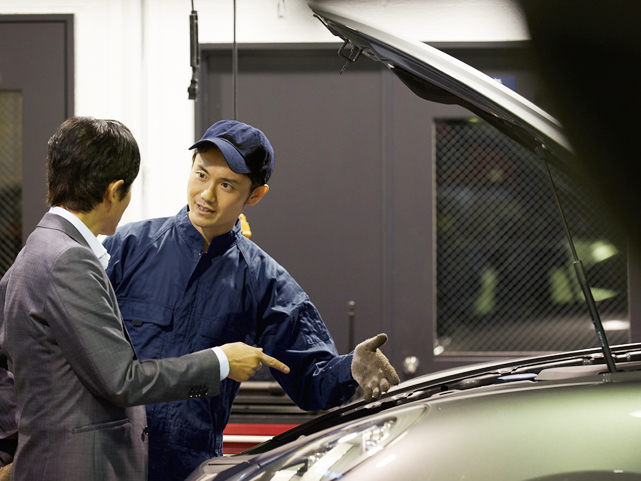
[615,325]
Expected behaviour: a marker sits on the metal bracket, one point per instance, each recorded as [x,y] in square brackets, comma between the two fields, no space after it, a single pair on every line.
[352,56]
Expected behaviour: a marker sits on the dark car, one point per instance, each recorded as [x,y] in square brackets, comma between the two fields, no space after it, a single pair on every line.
[563,416]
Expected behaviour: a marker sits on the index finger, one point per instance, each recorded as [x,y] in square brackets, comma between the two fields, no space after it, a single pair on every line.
[275,363]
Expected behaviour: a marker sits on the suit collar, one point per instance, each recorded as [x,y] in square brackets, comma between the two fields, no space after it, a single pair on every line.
[90,239]
[55,222]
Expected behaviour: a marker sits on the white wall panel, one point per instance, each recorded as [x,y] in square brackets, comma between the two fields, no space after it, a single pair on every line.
[132,61]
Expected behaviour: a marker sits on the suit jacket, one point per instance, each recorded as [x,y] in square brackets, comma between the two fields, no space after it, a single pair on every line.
[76,372]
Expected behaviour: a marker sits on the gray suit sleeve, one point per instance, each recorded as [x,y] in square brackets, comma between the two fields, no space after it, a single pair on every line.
[86,323]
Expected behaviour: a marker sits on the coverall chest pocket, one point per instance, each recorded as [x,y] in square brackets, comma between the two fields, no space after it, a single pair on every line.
[146,323]
[228,328]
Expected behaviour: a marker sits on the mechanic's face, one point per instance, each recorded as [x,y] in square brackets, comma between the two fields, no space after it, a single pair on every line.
[216,195]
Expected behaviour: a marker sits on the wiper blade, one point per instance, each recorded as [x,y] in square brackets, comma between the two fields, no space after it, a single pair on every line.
[543,154]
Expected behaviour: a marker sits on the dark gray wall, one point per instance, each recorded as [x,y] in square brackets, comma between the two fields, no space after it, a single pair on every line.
[36,57]
[350,212]
[322,216]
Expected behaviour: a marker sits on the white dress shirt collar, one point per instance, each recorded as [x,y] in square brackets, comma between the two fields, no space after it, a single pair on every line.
[97,248]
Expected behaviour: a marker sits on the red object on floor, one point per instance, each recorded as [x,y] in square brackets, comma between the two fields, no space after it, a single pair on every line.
[239,437]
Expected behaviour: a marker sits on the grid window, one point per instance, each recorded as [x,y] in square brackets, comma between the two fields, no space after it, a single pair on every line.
[10,177]
[505,279]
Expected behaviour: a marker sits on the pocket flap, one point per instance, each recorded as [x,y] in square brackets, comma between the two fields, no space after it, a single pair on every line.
[134,310]
[100,426]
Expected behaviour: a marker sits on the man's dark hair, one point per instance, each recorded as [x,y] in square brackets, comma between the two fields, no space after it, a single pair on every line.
[257,178]
[85,156]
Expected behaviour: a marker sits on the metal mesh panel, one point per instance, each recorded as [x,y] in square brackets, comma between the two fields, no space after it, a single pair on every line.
[505,280]
[10,178]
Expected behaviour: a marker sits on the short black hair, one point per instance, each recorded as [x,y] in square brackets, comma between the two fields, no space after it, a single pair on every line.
[257,179]
[85,156]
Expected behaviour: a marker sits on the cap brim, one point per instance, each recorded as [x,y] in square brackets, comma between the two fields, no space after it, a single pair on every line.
[234,160]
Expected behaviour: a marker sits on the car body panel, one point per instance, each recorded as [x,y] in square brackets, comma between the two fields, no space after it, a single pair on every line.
[506,434]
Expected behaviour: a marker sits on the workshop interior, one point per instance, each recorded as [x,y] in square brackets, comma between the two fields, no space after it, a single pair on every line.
[398,208]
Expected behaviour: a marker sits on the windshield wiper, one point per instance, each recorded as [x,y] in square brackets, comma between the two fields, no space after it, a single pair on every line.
[542,152]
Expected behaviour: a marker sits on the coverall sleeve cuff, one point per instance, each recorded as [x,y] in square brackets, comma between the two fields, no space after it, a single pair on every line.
[346,371]
[223,361]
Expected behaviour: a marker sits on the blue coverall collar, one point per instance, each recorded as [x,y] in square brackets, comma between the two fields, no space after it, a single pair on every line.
[194,239]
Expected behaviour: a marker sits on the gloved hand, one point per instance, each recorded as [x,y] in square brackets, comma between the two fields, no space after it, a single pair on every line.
[371,369]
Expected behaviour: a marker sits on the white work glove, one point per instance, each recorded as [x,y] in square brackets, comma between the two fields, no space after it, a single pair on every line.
[371,369]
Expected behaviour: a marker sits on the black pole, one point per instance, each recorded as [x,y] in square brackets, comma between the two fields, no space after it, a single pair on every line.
[351,323]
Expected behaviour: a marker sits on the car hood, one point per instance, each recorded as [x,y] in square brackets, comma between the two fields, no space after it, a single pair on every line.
[438,77]
[551,374]
[574,365]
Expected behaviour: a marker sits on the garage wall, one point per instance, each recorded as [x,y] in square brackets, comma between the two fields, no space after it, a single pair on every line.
[132,61]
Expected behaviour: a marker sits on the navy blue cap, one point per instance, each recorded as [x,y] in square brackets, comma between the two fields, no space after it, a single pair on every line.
[245,148]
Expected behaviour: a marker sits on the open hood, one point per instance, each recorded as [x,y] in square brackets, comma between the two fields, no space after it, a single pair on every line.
[438,77]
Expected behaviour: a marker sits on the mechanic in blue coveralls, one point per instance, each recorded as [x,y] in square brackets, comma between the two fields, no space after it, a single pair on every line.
[193,281]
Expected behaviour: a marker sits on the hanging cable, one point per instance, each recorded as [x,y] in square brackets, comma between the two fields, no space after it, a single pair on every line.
[234,62]
[194,53]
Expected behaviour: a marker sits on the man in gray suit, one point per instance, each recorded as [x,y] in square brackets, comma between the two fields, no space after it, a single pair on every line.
[77,377]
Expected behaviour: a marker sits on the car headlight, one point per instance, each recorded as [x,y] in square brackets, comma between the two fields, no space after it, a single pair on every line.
[334,454]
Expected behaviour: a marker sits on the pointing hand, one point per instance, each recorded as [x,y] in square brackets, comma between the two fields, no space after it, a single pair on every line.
[245,360]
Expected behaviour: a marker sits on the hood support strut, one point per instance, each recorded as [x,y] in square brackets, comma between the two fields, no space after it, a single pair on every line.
[542,152]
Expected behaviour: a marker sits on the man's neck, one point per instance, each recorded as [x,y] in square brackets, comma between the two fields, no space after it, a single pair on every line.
[91,219]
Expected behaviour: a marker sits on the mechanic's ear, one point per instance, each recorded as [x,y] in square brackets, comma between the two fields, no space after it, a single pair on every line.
[258,194]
